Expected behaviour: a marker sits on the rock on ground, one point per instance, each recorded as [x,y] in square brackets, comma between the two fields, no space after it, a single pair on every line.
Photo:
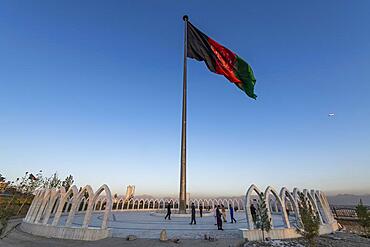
[163,235]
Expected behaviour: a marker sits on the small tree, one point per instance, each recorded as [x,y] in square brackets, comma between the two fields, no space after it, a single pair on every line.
[25,187]
[52,182]
[263,219]
[3,184]
[5,214]
[5,211]
[363,217]
[310,222]
[67,182]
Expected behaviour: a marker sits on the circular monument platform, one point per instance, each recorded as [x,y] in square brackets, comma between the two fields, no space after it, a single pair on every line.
[88,215]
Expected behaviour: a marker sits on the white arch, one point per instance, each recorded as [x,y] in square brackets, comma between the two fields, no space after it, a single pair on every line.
[230,202]
[205,204]
[248,204]
[41,204]
[321,207]
[136,203]
[43,201]
[224,202]
[314,205]
[269,190]
[130,204]
[115,204]
[156,204]
[120,201]
[54,196]
[236,203]
[75,203]
[326,205]
[72,191]
[161,201]
[138,206]
[32,212]
[151,204]
[284,192]
[296,192]
[201,202]
[107,209]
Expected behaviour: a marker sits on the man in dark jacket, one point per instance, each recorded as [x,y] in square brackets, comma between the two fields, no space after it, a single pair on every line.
[168,212]
[231,209]
[200,210]
[193,214]
[218,217]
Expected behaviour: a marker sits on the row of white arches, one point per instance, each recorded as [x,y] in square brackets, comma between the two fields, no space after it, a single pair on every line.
[285,201]
[50,204]
[151,204]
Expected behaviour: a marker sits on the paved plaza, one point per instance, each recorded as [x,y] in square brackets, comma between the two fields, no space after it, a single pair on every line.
[146,225]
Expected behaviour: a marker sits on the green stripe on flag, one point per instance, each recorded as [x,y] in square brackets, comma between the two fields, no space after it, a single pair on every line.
[244,73]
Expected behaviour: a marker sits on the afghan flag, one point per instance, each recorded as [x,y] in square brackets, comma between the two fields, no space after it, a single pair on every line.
[220,60]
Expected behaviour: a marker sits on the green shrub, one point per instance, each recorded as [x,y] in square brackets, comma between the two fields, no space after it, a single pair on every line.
[310,222]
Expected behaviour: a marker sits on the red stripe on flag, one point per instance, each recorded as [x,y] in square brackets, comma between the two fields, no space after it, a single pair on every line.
[225,61]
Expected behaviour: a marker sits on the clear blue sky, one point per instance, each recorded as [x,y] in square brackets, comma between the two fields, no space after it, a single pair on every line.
[94,89]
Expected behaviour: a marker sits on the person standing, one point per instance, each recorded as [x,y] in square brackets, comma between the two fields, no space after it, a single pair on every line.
[200,210]
[193,214]
[218,217]
[232,214]
[168,212]
[223,210]
[215,214]
[254,214]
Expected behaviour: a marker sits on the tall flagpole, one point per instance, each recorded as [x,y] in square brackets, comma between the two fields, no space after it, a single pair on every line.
[182,206]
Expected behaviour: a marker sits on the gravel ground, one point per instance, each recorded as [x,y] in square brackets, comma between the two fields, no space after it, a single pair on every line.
[339,239]
[17,238]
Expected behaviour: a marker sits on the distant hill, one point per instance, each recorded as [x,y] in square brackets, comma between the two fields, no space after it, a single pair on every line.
[348,199]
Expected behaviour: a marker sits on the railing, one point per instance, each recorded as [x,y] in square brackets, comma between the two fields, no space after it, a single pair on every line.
[344,213]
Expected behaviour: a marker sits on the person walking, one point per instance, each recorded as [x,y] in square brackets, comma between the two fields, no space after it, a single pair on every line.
[193,214]
[232,214]
[223,210]
[168,212]
[254,214]
[200,210]
[215,214]
[218,217]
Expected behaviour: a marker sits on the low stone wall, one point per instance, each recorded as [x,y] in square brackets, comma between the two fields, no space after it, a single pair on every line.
[76,233]
[256,234]
[284,233]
